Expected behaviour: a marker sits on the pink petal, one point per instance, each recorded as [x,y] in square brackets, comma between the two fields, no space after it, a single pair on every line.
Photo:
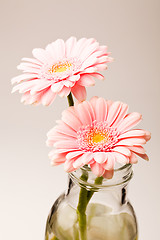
[51,153]
[25,66]
[93,101]
[108,174]
[25,97]
[56,50]
[101,67]
[50,142]
[57,87]
[78,162]
[89,107]
[137,149]
[74,78]
[79,46]
[109,104]
[83,114]
[101,110]
[113,112]
[66,144]
[32,60]
[97,75]
[55,136]
[42,85]
[72,155]
[23,77]
[71,109]
[121,115]
[133,158]
[87,157]
[129,121]
[27,69]
[79,92]
[89,62]
[50,49]
[83,45]
[35,99]
[131,142]
[68,83]
[59,49]
[122,150]
[69,46]
[71,120]
[25,86]
[57,159]
[86,80]
[102,49]
[109,164]
[41,55]
[132,133]
[100,157]
[58,137]
[121,158]
[53,131]
[48,97]
[88,51]
[97,169]
[65,129]
[60,150]
[102,59]
[64,92]
[144,156]
[68,166]
[147,135]
[90,70]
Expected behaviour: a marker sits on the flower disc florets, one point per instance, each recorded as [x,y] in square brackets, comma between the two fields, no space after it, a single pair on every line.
[60,70]
[97,137]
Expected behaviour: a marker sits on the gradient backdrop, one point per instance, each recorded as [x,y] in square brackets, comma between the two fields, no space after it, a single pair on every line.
[28,184]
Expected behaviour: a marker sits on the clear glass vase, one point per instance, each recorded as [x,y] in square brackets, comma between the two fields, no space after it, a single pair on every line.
[107,215]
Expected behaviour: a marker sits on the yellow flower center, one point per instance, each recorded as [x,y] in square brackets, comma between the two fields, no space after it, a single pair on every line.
[60,67]
[98,137]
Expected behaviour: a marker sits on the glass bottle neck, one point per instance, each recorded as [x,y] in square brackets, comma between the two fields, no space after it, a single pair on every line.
[105,191]
[86,179]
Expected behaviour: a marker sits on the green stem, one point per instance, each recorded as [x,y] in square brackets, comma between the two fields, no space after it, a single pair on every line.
[81,209]
[98,181]
[70,100]
[84,198]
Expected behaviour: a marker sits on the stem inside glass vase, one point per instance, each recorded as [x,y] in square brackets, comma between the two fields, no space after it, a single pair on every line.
[84,198]
[81,208]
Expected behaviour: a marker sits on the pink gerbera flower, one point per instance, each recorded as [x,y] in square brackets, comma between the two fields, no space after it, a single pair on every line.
[61,68]
[97,133]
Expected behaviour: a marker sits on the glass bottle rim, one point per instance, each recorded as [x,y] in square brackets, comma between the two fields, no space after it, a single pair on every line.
[122,176]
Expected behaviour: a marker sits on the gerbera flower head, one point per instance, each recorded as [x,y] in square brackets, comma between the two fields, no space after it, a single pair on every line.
[97,133]
[61,68]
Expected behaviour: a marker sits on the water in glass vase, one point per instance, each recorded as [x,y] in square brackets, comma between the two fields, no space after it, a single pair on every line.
[108,214]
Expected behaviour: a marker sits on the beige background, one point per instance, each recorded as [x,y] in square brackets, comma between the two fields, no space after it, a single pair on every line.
[28,185]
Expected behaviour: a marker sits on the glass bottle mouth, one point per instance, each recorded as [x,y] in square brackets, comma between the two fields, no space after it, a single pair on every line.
[122,175]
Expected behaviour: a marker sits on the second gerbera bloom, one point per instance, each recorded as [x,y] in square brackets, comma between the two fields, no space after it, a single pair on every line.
[61,68]
[97,133]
